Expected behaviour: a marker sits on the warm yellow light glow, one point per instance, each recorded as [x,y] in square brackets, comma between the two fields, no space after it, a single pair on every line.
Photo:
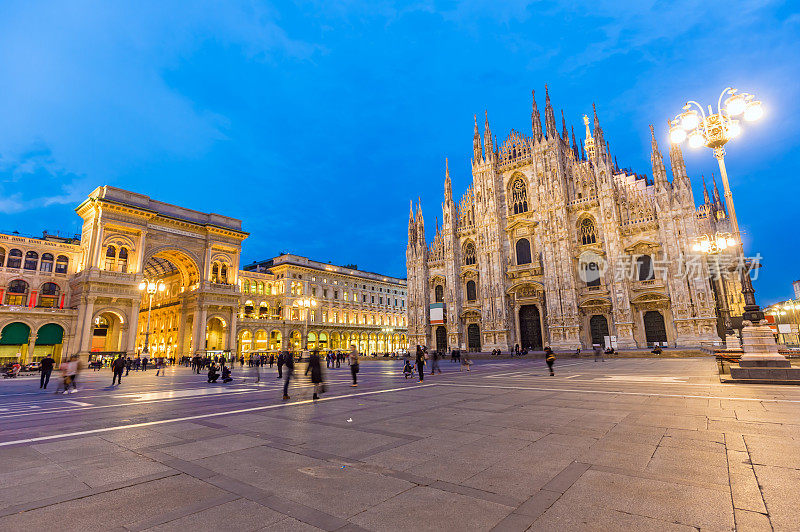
[690,120]
[735,105]
[142,285]
[731,241]
[754,111]
[677,135]
[696,139]
[734,129]
[722,243]
[696,247]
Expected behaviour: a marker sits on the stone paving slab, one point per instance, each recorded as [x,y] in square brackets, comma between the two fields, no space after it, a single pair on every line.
[587,453]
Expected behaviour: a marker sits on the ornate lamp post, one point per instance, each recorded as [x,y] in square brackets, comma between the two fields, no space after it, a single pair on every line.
[151,286]
[306,303]
[714,130]
[713,245]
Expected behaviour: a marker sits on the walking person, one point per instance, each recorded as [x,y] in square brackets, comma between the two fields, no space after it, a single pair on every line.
[144,364]
[47,368]
[354,367]
[71,374]
[281,358]
[435,363]
[315,367]
[271,360]
[465,362]
[598,353]
[117,367]
[160,369]
[420,361]
[128,364]
[550,358]
[288,361]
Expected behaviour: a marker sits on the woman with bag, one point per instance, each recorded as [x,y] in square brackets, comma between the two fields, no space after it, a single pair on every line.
[420,363]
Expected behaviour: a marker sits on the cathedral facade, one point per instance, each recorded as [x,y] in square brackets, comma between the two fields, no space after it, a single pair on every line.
[554,244]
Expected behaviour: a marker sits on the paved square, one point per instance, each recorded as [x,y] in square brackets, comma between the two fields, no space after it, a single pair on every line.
[626,444]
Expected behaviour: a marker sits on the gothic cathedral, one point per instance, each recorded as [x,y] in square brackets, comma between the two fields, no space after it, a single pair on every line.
[555,244]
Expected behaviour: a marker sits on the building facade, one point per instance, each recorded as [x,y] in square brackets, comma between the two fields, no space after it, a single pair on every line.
[553,243]
[81,295]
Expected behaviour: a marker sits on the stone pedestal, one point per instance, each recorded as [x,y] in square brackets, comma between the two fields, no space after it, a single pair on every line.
[761,360]
[732,342]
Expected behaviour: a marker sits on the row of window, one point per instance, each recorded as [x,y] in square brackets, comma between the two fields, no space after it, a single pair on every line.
[116,260]
[48,262]
[471,289]
[18,290]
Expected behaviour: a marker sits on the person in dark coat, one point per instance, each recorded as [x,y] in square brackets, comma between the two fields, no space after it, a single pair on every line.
[118,366]
[226,373]
[212,372]
[315,368]
[281,359]
[288,360]
[550,358]
[420,363]
[47,368]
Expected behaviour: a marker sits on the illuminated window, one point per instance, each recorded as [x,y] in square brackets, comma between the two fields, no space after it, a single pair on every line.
[46,265]
[62,263]
[111,258]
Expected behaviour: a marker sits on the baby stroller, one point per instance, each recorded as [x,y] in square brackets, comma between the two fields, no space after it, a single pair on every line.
[11,371]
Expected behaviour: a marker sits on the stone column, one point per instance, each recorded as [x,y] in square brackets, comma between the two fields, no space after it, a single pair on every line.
[199,334]
[86,329]
[31,346]
[133,328]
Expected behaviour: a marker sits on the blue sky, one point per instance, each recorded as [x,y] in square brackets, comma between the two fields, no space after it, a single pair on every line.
[316,122]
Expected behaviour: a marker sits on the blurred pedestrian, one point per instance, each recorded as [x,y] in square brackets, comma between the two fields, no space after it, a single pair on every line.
[550,358]
[354,367]
[435,362]
[288,361]
[315,368]
[598,353]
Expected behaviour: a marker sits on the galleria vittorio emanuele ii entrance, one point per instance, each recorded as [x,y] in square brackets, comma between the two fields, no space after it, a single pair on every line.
[127,238]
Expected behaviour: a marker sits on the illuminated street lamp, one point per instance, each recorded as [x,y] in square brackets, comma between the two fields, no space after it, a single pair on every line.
[714,130]
[151,287]
[306,303]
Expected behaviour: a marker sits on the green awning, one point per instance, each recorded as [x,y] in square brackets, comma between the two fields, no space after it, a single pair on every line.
[50,334]
[15,334]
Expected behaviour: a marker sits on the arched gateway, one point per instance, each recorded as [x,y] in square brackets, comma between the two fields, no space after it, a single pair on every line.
[128,237]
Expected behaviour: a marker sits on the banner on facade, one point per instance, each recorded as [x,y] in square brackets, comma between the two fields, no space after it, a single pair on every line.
[437,314]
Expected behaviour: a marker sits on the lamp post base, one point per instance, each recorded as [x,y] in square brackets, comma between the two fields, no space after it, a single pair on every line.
[761,360]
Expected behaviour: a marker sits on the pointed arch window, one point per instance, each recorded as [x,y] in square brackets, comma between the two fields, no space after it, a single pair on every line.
[519,196]
[439,293]
[469,254]
[472,292]
[31,260]
[523,251]
[587,232]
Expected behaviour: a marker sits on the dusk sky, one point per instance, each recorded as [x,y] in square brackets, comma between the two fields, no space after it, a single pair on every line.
[317,122]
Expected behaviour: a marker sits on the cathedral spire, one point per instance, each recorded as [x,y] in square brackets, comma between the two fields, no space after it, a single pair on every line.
[706,199]
[659,172]
[448,187]
[679,175]
[575,152]
[583,151]
[564,134]
[717,198]
[536,120]
[477,151]
[487,136]
[598,132]
[549,118]
[412,228]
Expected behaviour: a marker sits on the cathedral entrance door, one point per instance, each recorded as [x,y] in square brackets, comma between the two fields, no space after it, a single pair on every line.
[654,329]
[441,338]
[473,338]
[530,327]
[598,325]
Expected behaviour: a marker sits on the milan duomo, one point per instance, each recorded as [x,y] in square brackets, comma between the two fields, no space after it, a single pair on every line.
[554,244]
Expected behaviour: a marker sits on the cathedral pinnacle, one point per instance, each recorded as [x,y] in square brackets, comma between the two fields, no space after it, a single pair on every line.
[659,171]
[574,145]
[487,136]
[448,187]
[706,199]
[549,117]
[536,120]
[476,143]
[564,134]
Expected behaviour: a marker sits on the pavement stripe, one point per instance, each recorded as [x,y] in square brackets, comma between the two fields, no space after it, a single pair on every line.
[205,416]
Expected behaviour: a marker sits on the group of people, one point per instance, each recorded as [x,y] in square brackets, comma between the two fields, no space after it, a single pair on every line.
[69,373]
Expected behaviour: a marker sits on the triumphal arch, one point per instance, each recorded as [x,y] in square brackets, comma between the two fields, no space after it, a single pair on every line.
[127,237]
